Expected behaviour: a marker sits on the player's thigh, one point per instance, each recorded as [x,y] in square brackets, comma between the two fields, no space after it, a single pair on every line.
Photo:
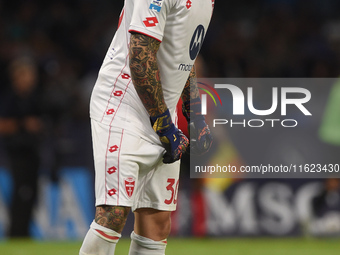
[120,158]
[115,171]
[152,223]
[158,187]
[156,199]
[112,217]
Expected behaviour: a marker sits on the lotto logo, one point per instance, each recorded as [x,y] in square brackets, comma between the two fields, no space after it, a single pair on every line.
[113,148]
[110,111]
[112,192]
[125,76]
[189,4]
[112,170]
[118,93]
[150,22]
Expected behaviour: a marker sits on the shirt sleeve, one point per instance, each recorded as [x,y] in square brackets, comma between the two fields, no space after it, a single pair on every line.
[149,17]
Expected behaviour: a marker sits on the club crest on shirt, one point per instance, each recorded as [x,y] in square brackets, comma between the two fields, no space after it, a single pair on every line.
[156,5]
[129,186]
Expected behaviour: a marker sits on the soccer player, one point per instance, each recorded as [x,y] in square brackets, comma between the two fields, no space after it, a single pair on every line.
[137,146]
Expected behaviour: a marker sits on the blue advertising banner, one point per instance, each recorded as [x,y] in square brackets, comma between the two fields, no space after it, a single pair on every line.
[64,210]
[219,207]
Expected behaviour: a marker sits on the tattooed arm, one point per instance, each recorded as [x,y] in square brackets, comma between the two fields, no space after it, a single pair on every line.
[145,73]
[146,79]
[190,90]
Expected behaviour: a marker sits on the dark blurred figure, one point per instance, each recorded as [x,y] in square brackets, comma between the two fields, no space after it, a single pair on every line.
[328,199]
[20,127]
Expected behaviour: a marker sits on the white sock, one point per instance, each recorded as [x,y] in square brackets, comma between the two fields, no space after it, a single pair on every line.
[99,240]
[144,246]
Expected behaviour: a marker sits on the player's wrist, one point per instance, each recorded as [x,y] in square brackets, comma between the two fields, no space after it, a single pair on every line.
[172,139]
[200,136]
[162,122]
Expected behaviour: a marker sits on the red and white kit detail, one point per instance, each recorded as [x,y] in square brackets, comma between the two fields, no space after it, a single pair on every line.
[135,175]
[114,99]
[127,151]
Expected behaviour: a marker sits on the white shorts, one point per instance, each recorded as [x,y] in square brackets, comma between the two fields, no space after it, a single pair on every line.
[130,172]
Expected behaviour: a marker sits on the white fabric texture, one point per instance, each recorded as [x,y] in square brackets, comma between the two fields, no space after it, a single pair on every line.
[96,243]
[144,246]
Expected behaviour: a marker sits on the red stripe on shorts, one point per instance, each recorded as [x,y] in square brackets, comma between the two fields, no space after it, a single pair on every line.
[120,148]
[107,148]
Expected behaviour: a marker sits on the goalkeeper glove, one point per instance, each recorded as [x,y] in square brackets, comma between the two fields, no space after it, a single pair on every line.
[173,140]
[200,136]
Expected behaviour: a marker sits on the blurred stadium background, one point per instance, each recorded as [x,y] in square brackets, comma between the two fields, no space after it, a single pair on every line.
[64,41]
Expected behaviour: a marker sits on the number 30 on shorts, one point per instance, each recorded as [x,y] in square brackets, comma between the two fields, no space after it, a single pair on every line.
[173,190]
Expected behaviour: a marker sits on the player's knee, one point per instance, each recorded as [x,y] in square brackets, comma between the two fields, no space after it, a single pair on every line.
[112,217]
[153,224]
[164,228]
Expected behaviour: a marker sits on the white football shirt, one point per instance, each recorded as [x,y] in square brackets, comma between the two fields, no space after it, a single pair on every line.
[180,26]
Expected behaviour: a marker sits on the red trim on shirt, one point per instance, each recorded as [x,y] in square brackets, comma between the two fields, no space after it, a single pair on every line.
[131,30]
[121,100]
[120,19]
[114,87]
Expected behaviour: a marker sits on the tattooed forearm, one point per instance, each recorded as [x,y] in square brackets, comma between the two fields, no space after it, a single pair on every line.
[190,90]
[145,73]
[112,217]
